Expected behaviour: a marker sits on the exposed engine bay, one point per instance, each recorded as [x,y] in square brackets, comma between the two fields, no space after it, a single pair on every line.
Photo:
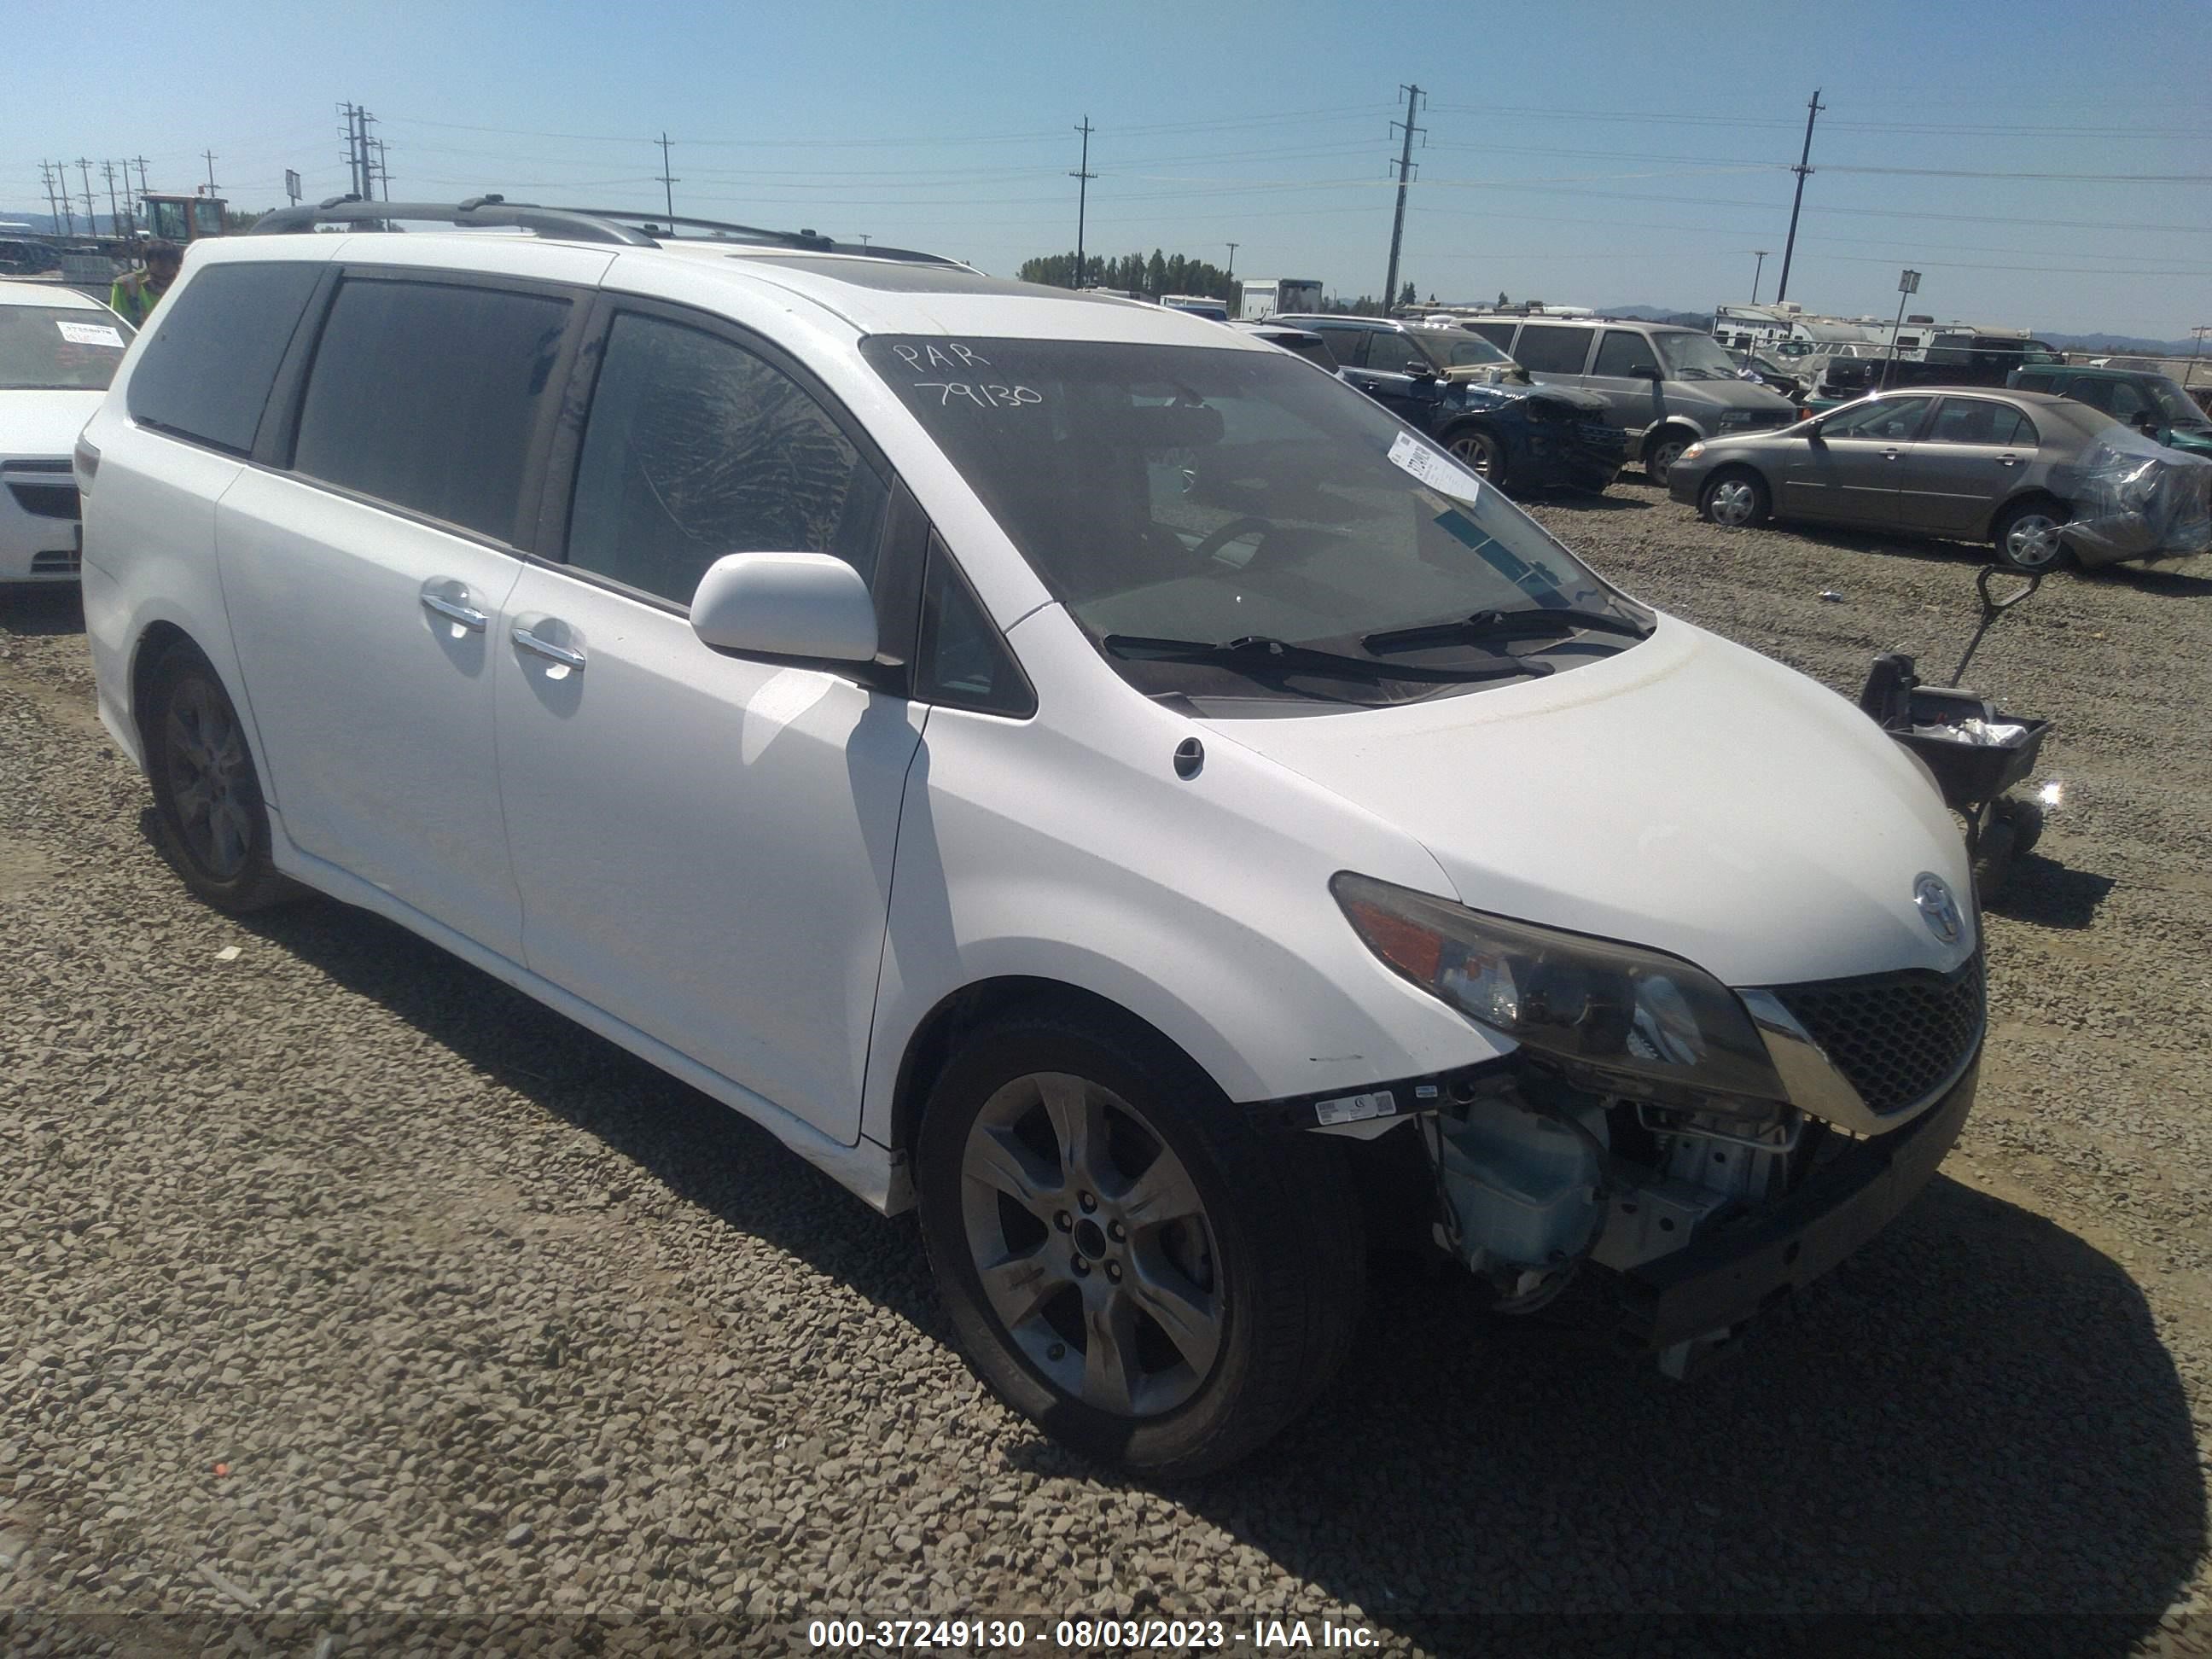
[1535,1179]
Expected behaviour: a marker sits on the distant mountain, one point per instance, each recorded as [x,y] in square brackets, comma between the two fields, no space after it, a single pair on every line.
[2125,345]
[1659,315]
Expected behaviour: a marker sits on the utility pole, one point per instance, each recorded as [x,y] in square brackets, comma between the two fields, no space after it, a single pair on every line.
[91,219]
[1803,170]
[139,161]
[46,178]
[1405,171]
[1760,254]
[1083,175]
[1229,276]
[214,189]
[64,221]
[383,169]
[1908,284]
[667,184]
[115,213]
[2196,349]
[863,236]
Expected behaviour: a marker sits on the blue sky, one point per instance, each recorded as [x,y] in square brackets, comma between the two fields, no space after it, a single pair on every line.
[1593,154]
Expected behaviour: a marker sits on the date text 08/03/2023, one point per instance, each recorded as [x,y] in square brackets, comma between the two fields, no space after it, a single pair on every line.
[1259,1635]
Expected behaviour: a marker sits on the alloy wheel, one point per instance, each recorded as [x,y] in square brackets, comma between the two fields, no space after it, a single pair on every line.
[1475,454]
[1661,461]
[1092,1245]
[205,753]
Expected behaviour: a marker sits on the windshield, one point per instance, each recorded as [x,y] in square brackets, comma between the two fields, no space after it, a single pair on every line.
[1694,357]
[58,349]
[2175,407]
[1452,347]
[1214,494]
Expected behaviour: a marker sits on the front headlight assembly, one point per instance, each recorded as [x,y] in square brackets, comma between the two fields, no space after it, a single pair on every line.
[1644,1022]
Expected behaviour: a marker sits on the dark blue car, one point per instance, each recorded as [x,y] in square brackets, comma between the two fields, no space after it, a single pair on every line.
[1461,390]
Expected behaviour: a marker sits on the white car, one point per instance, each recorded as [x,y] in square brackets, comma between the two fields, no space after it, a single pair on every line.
[1054,762]
[58,351]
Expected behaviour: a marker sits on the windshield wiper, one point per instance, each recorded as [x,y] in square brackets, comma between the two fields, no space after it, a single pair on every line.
[1503,625]
[1258,653]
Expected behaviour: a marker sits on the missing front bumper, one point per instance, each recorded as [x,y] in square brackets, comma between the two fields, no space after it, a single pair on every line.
[1719,1283]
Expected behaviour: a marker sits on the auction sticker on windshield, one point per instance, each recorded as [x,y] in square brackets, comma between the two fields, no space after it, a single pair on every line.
[1410,456]
[91,334]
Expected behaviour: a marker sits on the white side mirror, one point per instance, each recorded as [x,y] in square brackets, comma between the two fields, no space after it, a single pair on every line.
[786,604]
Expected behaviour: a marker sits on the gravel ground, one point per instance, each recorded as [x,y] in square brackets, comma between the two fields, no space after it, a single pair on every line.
[349,1288]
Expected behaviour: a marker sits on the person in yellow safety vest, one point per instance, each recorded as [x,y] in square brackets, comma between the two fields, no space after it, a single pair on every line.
[136,293]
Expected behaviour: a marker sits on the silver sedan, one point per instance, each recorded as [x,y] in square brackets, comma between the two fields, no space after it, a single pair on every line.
[1969,463]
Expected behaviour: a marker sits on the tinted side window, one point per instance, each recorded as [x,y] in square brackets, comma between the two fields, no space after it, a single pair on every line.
[964,663]
[1892,419]
[2097,393]
[1498,334]
[426,395]
[2035,382]
[1553,347]
[217,341]
[1624,352]
[695,448]
[2128,401]
[1347,345]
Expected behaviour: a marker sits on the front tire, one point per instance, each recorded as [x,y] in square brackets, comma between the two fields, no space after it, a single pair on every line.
[1660,454]
[1735,500]
[1122,1257]
[1482,453]
[207,797]
[2027,535]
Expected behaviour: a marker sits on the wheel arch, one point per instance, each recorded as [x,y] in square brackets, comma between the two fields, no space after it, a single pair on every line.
[155,642]
[2020,498]
[985,1002]
[1677,425]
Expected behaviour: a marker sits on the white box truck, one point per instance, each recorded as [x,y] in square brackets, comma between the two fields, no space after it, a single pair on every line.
[1261,297]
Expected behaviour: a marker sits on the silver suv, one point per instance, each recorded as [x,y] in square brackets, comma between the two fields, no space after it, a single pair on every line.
[1665,387]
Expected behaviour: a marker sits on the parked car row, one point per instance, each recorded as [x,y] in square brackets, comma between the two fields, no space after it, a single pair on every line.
[58,351]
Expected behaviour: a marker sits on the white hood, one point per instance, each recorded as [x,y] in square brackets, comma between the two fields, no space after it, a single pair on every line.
[1685,795]
[43,425]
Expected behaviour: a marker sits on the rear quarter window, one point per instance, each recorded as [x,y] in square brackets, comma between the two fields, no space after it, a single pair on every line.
[216,344]
[1551,348]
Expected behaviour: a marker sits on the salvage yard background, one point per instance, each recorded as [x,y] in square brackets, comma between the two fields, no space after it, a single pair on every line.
[341,1281]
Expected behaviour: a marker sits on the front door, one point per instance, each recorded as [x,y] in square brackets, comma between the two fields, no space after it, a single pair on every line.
[703,841]
[1852,473]
[1971,458]
[1626,374]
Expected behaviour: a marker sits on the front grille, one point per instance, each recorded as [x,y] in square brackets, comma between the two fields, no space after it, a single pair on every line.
[48,500]
[1895,1038]
[1596,435]
[64,564]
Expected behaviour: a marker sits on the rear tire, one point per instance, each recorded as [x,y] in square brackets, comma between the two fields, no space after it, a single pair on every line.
[1167,1286]
[1735,500]
[1481,452]
[2027,539]
[207,797]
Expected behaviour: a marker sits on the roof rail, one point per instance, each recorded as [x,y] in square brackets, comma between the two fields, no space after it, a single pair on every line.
[476,211]
[721,229]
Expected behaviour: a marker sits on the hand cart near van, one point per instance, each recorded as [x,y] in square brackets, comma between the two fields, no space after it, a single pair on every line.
[1976,750]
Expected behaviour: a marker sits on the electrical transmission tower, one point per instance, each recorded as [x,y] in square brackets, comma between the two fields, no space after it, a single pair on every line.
[1405,172]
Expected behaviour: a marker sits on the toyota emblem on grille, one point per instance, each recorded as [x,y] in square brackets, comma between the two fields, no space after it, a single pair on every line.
[1937,908]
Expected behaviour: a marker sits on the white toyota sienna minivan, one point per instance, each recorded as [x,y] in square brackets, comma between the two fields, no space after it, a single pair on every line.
[1057,762]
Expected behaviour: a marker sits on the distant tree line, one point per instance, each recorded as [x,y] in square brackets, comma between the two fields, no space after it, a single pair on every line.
[1162,273]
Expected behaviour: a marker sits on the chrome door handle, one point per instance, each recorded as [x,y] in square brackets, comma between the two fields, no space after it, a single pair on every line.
[1889,454]
[546,648]
[2007,460]
[463,616]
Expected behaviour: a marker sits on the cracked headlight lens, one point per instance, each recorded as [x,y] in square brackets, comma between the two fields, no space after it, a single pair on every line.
[1592,1003]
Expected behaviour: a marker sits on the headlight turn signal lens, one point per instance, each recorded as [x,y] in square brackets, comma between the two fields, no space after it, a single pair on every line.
[1619,1009]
